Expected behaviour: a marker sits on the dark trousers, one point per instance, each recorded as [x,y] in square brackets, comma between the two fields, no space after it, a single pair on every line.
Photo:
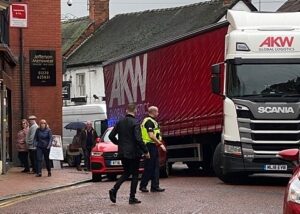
[40,152]
[77,160]
[131,167]
[32,157]
[87,155]
[23,157]
[151,168]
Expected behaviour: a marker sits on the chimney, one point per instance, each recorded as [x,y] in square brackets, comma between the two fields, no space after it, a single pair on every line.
[98,11]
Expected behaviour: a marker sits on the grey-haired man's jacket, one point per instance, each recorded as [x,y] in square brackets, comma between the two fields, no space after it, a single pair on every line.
[30,136]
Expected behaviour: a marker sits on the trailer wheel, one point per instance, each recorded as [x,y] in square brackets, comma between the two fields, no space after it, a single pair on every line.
[96,177]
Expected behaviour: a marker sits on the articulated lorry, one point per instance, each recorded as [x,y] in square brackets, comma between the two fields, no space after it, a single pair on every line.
[174,76]
[253,110]
[261,93]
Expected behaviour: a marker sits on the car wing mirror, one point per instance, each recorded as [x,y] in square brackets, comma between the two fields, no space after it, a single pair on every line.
[290,155]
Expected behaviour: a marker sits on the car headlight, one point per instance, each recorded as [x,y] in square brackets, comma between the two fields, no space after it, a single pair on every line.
[97,154]
[294,191]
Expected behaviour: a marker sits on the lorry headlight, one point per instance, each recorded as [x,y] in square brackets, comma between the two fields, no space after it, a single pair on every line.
[233,150]
[294,191]
[97,154]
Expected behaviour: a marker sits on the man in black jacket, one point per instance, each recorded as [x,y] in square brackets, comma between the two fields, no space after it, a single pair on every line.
[130,149]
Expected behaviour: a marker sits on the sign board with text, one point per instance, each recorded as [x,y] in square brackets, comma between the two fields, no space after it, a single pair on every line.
[18,15]
[42,68]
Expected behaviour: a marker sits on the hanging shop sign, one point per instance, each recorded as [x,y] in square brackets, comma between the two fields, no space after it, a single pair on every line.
[42,68]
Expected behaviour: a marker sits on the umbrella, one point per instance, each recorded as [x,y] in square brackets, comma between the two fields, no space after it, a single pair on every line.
[75,125]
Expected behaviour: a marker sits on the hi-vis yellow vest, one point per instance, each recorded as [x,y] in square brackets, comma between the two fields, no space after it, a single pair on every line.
[145,134]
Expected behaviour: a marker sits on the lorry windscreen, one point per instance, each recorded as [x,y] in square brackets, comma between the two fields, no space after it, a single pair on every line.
[267,80]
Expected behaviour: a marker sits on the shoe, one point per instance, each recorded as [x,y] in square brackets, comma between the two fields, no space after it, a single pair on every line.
[79,168]
[157,189]
[25,170]
[49,174]
[134,201]
[113,195]
[38,175]
[143,189]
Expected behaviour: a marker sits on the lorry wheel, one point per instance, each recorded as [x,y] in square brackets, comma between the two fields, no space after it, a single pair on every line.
[232,178]
[70,160]
[164,171]
[96,177]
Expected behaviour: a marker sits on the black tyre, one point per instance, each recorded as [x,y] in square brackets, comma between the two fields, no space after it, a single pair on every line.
[229,178]
[96,177]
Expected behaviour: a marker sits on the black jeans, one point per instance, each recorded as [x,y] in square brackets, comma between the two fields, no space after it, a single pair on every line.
[23,157]
[151,168]
[32,157]
[40,152]
[131,167]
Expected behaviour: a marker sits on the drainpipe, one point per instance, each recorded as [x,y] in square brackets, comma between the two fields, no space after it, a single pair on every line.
[21,62]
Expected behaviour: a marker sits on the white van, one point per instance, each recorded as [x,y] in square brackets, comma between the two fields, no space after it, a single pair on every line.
[96,113]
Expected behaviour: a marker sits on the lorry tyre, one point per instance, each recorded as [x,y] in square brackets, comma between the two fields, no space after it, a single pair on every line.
[232,178]
[96,177]
[217,165]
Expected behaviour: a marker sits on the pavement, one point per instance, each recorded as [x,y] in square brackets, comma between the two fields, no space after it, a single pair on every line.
[16,184]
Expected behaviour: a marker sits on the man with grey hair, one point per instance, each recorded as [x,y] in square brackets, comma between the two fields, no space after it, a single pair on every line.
[88,141]
[30,143]
[152,138]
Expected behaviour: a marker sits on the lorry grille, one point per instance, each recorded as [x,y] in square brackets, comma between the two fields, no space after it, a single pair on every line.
[255,131]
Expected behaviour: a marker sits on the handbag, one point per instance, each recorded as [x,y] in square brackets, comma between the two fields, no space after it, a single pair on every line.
[73,148]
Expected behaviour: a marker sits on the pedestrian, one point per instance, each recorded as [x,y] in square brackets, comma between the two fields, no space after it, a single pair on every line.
[130,150]
[152,138]
[75,149]
[43,139]
[29,141]
[22,147]
[88,141]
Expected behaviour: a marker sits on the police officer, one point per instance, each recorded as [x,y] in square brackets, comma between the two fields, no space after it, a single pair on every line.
[152,138]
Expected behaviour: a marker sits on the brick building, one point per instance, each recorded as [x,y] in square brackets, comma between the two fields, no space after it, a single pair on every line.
[31,68]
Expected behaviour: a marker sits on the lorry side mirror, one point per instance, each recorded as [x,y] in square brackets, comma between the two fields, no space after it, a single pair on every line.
[215,78]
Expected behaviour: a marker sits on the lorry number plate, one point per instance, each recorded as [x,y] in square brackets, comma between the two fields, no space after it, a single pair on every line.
[276,167]
[116,163]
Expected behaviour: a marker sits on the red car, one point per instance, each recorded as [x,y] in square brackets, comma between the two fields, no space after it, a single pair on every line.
[292,193]
[104,160]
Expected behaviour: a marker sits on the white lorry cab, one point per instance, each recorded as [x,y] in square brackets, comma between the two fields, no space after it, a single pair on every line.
[96,113]
[261,91]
